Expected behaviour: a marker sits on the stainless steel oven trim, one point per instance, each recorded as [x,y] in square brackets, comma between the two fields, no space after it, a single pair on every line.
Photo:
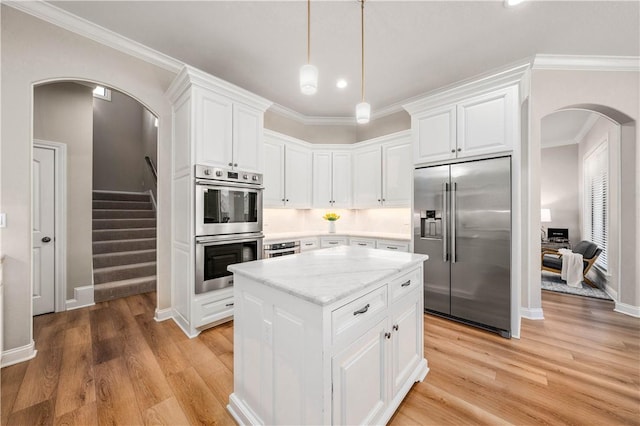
[225,228]
[202,242]
[226,184]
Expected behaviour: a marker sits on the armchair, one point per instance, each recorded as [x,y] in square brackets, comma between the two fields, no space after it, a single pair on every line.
[587,249]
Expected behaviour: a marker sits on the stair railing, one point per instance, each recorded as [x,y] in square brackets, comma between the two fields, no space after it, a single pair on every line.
[152,167]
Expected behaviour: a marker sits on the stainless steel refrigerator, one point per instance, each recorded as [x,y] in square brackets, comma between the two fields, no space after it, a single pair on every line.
[462,220]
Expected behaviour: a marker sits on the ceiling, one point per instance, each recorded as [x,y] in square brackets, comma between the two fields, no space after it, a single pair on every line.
[566,127]
[412,47]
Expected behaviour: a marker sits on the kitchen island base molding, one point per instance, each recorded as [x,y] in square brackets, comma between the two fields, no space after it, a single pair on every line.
[327,337]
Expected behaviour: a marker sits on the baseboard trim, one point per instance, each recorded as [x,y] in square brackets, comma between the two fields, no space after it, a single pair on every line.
[184,325]
[20,354]
[623,308]
[531,313]
[611,292]
[83,297]
[163,314]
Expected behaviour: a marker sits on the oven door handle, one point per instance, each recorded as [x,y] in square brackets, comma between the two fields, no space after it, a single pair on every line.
[214,184]
[211,240]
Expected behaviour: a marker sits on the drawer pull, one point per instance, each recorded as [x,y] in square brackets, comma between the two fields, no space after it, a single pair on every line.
[362,311]
[392,248]
[408,283]
[333,242]
[362,244]
[229,304]
[308,244]
[395,327]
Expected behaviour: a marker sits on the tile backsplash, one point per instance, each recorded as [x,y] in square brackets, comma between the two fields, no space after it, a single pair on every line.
[391,220]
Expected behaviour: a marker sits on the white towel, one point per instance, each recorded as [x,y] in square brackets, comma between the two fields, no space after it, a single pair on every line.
[571,267]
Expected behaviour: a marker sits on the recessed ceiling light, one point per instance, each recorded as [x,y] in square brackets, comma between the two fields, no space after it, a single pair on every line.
[510,3]
[341,83]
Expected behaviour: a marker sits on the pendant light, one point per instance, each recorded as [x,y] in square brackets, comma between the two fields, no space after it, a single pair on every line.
[308,72]
[363,109]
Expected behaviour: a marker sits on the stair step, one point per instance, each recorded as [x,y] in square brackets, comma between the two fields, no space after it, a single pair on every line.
[123,234]
[111,246]
[123,272]
[123,214]
[124,205]
[121,196]
[124,223]
[123,288]
[123,258]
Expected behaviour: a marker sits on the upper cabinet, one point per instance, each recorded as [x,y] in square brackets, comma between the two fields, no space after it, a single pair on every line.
[225,122]
[382,172]
[331,179]
[473,126]
[287,174]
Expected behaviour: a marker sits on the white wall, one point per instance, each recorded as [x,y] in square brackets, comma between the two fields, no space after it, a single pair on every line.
[63,112]
[559,188]
[619,91]
[34,51]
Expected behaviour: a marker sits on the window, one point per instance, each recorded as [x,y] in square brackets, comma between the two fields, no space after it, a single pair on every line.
[596,191]
[102,93]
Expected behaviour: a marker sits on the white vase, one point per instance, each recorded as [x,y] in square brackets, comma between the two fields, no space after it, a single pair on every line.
[332,226]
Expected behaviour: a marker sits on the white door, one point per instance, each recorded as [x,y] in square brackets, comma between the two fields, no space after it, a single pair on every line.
[247,138]
[298,177]
[273,174]
[341,180]
[406,339]
[322,195]
[397,175]
[43,231]
[367,178]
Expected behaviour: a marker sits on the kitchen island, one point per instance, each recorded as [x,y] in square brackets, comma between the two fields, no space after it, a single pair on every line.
[330,336]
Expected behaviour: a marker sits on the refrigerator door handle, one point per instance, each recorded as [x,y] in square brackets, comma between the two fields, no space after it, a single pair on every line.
[454,217]
[445,195]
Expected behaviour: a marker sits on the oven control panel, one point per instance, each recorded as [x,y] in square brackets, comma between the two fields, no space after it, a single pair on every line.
[227,175]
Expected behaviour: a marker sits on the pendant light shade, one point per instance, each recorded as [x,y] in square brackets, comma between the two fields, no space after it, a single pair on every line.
[363,109]
[308,79]
[308,72]
[363,113]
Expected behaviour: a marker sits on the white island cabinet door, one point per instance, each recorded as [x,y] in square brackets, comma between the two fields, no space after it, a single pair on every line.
[360,379]
[247,139]
[406,338]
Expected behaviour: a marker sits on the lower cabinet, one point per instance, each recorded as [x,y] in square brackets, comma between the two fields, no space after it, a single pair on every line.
[326,242]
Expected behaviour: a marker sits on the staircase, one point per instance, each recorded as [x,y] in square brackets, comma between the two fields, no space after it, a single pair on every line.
[124,244]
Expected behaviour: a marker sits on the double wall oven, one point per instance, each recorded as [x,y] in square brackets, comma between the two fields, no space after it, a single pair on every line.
[228,224]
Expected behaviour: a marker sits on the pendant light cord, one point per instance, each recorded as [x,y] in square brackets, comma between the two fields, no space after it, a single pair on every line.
[362,46]
[308,31]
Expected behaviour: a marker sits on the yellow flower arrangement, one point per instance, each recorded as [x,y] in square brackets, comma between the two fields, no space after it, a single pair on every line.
[331,217]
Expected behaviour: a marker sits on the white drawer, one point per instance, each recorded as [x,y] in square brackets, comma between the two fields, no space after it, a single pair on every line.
[208,311]
[362,242]
[392,245]
[349,319]
[309,244]
[405,284]
[332,241]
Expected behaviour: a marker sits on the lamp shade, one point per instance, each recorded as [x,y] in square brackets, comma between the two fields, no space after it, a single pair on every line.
[363,113]
[308,79]
[545,215]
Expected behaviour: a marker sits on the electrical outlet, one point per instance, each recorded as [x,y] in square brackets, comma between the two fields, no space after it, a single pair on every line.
[3,220]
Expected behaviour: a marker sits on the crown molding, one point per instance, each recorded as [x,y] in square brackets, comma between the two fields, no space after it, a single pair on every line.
[61,18]
[586,63]
[555,144]
[311,120]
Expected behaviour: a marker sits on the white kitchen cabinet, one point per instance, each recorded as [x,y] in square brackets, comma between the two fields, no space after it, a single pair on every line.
[331,179]
[382,174]
[311,243]
[476,125]
[326,242]
[227,133]
[312,357]
[287,174]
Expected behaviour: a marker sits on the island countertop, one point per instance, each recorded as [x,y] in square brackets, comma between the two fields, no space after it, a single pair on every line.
[325,276]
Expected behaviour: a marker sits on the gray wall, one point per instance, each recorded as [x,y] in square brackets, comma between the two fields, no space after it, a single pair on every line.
[559,188]
[150,149]
[62,112]
[34,51]
[118,150]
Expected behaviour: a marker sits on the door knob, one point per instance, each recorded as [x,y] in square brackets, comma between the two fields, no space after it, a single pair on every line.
[46,239]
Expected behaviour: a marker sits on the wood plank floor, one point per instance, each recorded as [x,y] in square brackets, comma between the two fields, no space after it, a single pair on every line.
[113,364]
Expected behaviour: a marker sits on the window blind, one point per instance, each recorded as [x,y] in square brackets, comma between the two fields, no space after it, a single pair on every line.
[596,179]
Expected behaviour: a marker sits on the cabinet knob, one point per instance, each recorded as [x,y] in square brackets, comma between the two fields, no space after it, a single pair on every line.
[378,199]
[230,164]
[395,327]
[387,335]
[453,150]
[283,199]
[236,164]
[459,149]
[287,200]
[384,199]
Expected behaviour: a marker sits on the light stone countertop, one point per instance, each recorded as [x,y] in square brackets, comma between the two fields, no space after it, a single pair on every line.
[280,236]
[325,276]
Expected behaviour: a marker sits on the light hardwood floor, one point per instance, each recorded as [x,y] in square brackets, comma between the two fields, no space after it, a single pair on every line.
[113,364]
